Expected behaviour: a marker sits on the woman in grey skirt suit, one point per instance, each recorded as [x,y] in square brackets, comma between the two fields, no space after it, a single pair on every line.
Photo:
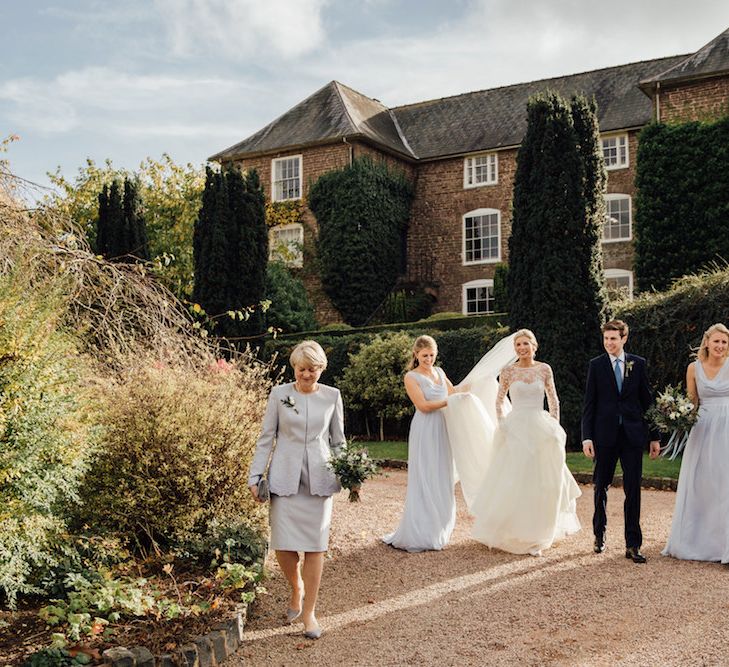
[306,421]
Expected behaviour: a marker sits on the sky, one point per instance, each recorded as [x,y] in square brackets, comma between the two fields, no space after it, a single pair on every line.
[91,79]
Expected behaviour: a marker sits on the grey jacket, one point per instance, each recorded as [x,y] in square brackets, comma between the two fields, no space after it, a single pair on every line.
[314,421]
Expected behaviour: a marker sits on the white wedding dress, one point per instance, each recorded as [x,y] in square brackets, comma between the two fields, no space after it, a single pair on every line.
[514,477]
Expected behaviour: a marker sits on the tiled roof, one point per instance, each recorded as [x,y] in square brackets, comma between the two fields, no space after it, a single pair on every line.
[466,123]
[498,117]
[710,60]
[332,112]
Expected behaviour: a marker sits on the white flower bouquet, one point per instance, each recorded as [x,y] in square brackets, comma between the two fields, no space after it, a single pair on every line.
[673,413]
[353,466]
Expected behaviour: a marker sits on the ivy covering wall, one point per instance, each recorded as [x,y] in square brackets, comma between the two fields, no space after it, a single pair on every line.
[362,212]
[682,205]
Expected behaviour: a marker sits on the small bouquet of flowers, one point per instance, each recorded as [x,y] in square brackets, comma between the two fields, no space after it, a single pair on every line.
[673,413]
[353,466]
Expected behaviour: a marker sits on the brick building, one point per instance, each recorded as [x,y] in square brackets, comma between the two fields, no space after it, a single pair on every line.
[460,153]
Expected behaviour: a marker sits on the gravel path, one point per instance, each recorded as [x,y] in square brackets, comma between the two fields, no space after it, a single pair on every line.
[468,605]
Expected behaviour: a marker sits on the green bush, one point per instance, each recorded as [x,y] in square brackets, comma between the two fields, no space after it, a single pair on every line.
[45,439]
[177,446]
[362,212]
[665,327]
[372,382]
[290,310]
[682,207]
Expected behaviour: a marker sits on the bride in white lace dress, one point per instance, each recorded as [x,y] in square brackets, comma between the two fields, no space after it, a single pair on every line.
[525,499]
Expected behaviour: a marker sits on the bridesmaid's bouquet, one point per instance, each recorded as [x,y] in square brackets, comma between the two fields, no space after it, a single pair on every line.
[673,413]
[353,466]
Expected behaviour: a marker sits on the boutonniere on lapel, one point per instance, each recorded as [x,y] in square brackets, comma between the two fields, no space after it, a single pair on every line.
[289,402]
[628,367]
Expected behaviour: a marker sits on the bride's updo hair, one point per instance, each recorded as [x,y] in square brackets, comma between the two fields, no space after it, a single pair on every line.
[703,353]
[529,334]
[421,343]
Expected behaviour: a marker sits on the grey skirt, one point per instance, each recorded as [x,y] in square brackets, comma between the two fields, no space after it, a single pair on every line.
[300,522]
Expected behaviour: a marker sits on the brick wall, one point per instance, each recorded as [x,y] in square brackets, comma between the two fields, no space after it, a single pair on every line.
[435,238]
[619,254]
[703,100]
[316,161]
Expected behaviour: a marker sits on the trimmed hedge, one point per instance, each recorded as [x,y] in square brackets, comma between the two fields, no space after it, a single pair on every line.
[666,327]
[682,206]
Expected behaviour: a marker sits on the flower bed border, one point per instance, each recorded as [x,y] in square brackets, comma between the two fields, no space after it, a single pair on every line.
[208,650]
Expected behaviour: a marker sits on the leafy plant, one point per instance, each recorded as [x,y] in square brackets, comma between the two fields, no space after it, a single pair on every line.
[362,212]
[373,380]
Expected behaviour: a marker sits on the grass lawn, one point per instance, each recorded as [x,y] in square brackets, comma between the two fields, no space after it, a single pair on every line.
[576,461]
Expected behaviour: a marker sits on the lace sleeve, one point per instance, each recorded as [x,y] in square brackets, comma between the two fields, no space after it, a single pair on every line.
[551,391]
[504,382]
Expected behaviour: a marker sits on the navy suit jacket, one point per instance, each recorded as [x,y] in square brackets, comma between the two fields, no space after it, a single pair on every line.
[605,408]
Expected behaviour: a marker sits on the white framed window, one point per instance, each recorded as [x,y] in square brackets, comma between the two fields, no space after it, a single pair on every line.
[478,297]
[286,178]
[286,244]
[619,282]
[482,236]
[480,170]
[618,218]
[615,151]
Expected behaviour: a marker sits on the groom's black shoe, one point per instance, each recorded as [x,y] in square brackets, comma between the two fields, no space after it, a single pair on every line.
[634,554]
[599,543]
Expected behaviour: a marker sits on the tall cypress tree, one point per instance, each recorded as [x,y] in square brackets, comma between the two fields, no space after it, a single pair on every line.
[555,262]
[135,228]
[230,251]
[121,232]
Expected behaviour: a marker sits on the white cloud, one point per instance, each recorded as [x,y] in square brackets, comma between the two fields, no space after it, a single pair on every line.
[243,29]
[95,97]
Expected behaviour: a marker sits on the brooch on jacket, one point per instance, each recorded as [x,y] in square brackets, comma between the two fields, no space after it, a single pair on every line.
[289,402]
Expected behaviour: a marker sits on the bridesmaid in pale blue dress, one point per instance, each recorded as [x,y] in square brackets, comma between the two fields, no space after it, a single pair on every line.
[429,514]
[700,528]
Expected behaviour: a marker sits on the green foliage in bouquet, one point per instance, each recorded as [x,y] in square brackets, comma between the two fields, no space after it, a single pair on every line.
[352,466]
[673,411]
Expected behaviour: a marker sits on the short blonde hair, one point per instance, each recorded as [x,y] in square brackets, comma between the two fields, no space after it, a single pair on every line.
[529,334]
[703,353]
[421,343]
[308,352]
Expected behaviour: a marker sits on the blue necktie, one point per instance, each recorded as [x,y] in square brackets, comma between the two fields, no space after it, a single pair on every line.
[618,375]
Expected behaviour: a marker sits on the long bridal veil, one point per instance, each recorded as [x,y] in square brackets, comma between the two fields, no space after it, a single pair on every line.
[471,417]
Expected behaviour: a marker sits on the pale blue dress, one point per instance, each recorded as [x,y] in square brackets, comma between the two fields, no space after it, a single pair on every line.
[429,514]
[700,527]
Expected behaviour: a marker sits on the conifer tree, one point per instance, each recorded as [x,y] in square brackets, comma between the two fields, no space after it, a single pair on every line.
[555,262]
[230,251]
[121,233]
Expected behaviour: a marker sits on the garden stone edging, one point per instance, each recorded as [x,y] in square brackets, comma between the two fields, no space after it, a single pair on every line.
[660,483]
[209,650]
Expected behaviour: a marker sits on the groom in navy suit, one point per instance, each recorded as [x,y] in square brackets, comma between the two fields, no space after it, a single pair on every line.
[614,428]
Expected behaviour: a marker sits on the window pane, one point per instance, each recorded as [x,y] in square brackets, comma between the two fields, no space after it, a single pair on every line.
[479,300]
[481,234]
[286,179]
[617,219]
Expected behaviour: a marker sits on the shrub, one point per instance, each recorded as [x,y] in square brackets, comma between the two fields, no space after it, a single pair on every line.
[682,207]
[290,309]
[665,327]
[45,439]
[177,446]
[362,212]
[373,379]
